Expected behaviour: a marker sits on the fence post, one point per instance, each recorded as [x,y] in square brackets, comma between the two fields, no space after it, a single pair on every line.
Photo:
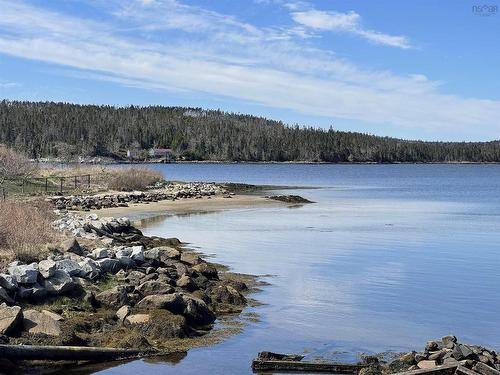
[88,184]
[75,181]
[46,184]
[22,187]
[61,187]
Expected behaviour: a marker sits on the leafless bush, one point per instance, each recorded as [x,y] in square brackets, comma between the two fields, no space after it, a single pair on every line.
[25,229]
[14,165]
[128,179]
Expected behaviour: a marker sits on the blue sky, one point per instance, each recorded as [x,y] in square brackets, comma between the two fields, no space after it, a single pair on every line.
[414,69]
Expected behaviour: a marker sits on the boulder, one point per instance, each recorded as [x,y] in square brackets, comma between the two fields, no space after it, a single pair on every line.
[431,346]
[207,270]
[69,266]
[109,265]
[185,282]
[154,287]
[115,297]
[153,254]
[90,268]
[229,295]
[449,341]
[461,351]
[10,319]
[137,319]
[190,258]
[137,254]
[71,246]
[172,302]
[4,297]
[100,253]
[134,277]
[35,291]
[60,283]
[126,261]
[36,322]
[196,311]
[123,312]
[408,358]
[8,282]
[426,364]
[24,273]
[47,268]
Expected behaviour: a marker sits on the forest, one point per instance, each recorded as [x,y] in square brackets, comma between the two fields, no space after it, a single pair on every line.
[65,131]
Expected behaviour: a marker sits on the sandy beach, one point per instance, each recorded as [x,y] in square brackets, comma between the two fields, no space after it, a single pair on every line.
[215,203]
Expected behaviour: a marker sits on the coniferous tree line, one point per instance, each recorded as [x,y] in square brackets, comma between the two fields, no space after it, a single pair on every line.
[48,129]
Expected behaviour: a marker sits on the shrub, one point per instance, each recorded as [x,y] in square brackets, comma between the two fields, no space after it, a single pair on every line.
[128,179]
[14,165]
[25,229]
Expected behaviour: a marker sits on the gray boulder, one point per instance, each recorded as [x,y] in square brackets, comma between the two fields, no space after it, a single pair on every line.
[71,246]
[10,319]
[185,282]
[190,258]
[4,297]
[60,283]
[100,253]
[24,273]
[8,281]
[90,268]
[137,253]
[109,265]
[123,312]
[69,266]
[229,295]
[47,268]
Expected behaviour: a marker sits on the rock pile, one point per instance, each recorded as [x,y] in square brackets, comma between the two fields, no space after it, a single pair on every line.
[145,281]
[169,192]
[447,351]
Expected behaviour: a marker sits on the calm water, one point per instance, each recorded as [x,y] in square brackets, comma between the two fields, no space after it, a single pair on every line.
[389,257]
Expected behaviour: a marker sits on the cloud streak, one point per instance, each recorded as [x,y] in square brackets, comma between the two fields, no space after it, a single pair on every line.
[349,22]
[167,45]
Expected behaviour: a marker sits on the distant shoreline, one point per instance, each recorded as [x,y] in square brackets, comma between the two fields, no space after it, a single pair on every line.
[121,162]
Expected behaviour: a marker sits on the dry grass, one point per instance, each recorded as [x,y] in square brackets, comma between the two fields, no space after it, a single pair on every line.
[129,179]
[25,230]
[106,178]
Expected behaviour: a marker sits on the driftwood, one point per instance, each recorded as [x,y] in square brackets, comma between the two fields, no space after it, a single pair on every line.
[438,370]
[485,369]
[69,353]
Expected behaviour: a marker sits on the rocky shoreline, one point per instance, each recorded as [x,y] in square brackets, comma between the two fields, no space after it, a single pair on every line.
[108,285]
[164,191]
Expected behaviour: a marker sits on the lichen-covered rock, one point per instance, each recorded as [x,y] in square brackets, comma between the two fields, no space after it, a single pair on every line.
[24,273]
[8,282]
[207,270]
[172,302]
[10,319]
[45,323]
[227,294]
[47,268]
[187,283]
[190,258]
[61,282]
[154,287]
[115,297]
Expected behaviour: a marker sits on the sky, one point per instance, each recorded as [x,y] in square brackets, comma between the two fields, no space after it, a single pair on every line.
[414,69]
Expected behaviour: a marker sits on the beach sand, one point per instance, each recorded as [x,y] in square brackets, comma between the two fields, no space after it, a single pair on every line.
[182,206]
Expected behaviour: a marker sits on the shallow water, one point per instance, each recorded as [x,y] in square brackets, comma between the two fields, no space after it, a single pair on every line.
[389,257]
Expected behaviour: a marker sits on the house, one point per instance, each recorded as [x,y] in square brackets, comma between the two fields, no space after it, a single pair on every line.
[165,154]
[133,153]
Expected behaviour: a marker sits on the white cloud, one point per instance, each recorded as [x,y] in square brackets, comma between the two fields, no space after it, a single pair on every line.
[349,22]
[219,55]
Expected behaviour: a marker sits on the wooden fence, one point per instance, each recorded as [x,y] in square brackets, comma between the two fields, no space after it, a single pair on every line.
[46,185]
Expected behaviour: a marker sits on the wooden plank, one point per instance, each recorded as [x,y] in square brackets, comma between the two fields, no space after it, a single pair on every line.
[438,370]
[462,370]
[485,369]
[63,353]
[299,366]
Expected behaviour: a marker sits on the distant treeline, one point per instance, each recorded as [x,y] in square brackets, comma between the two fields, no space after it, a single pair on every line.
[48,129]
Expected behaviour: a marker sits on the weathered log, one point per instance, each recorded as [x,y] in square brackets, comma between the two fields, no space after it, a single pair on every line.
[299,366]
[438,370]
[462,370]
[485,369]
[69,353]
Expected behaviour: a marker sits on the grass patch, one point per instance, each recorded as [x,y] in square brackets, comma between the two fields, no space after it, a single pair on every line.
[134,179]
[25,230]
